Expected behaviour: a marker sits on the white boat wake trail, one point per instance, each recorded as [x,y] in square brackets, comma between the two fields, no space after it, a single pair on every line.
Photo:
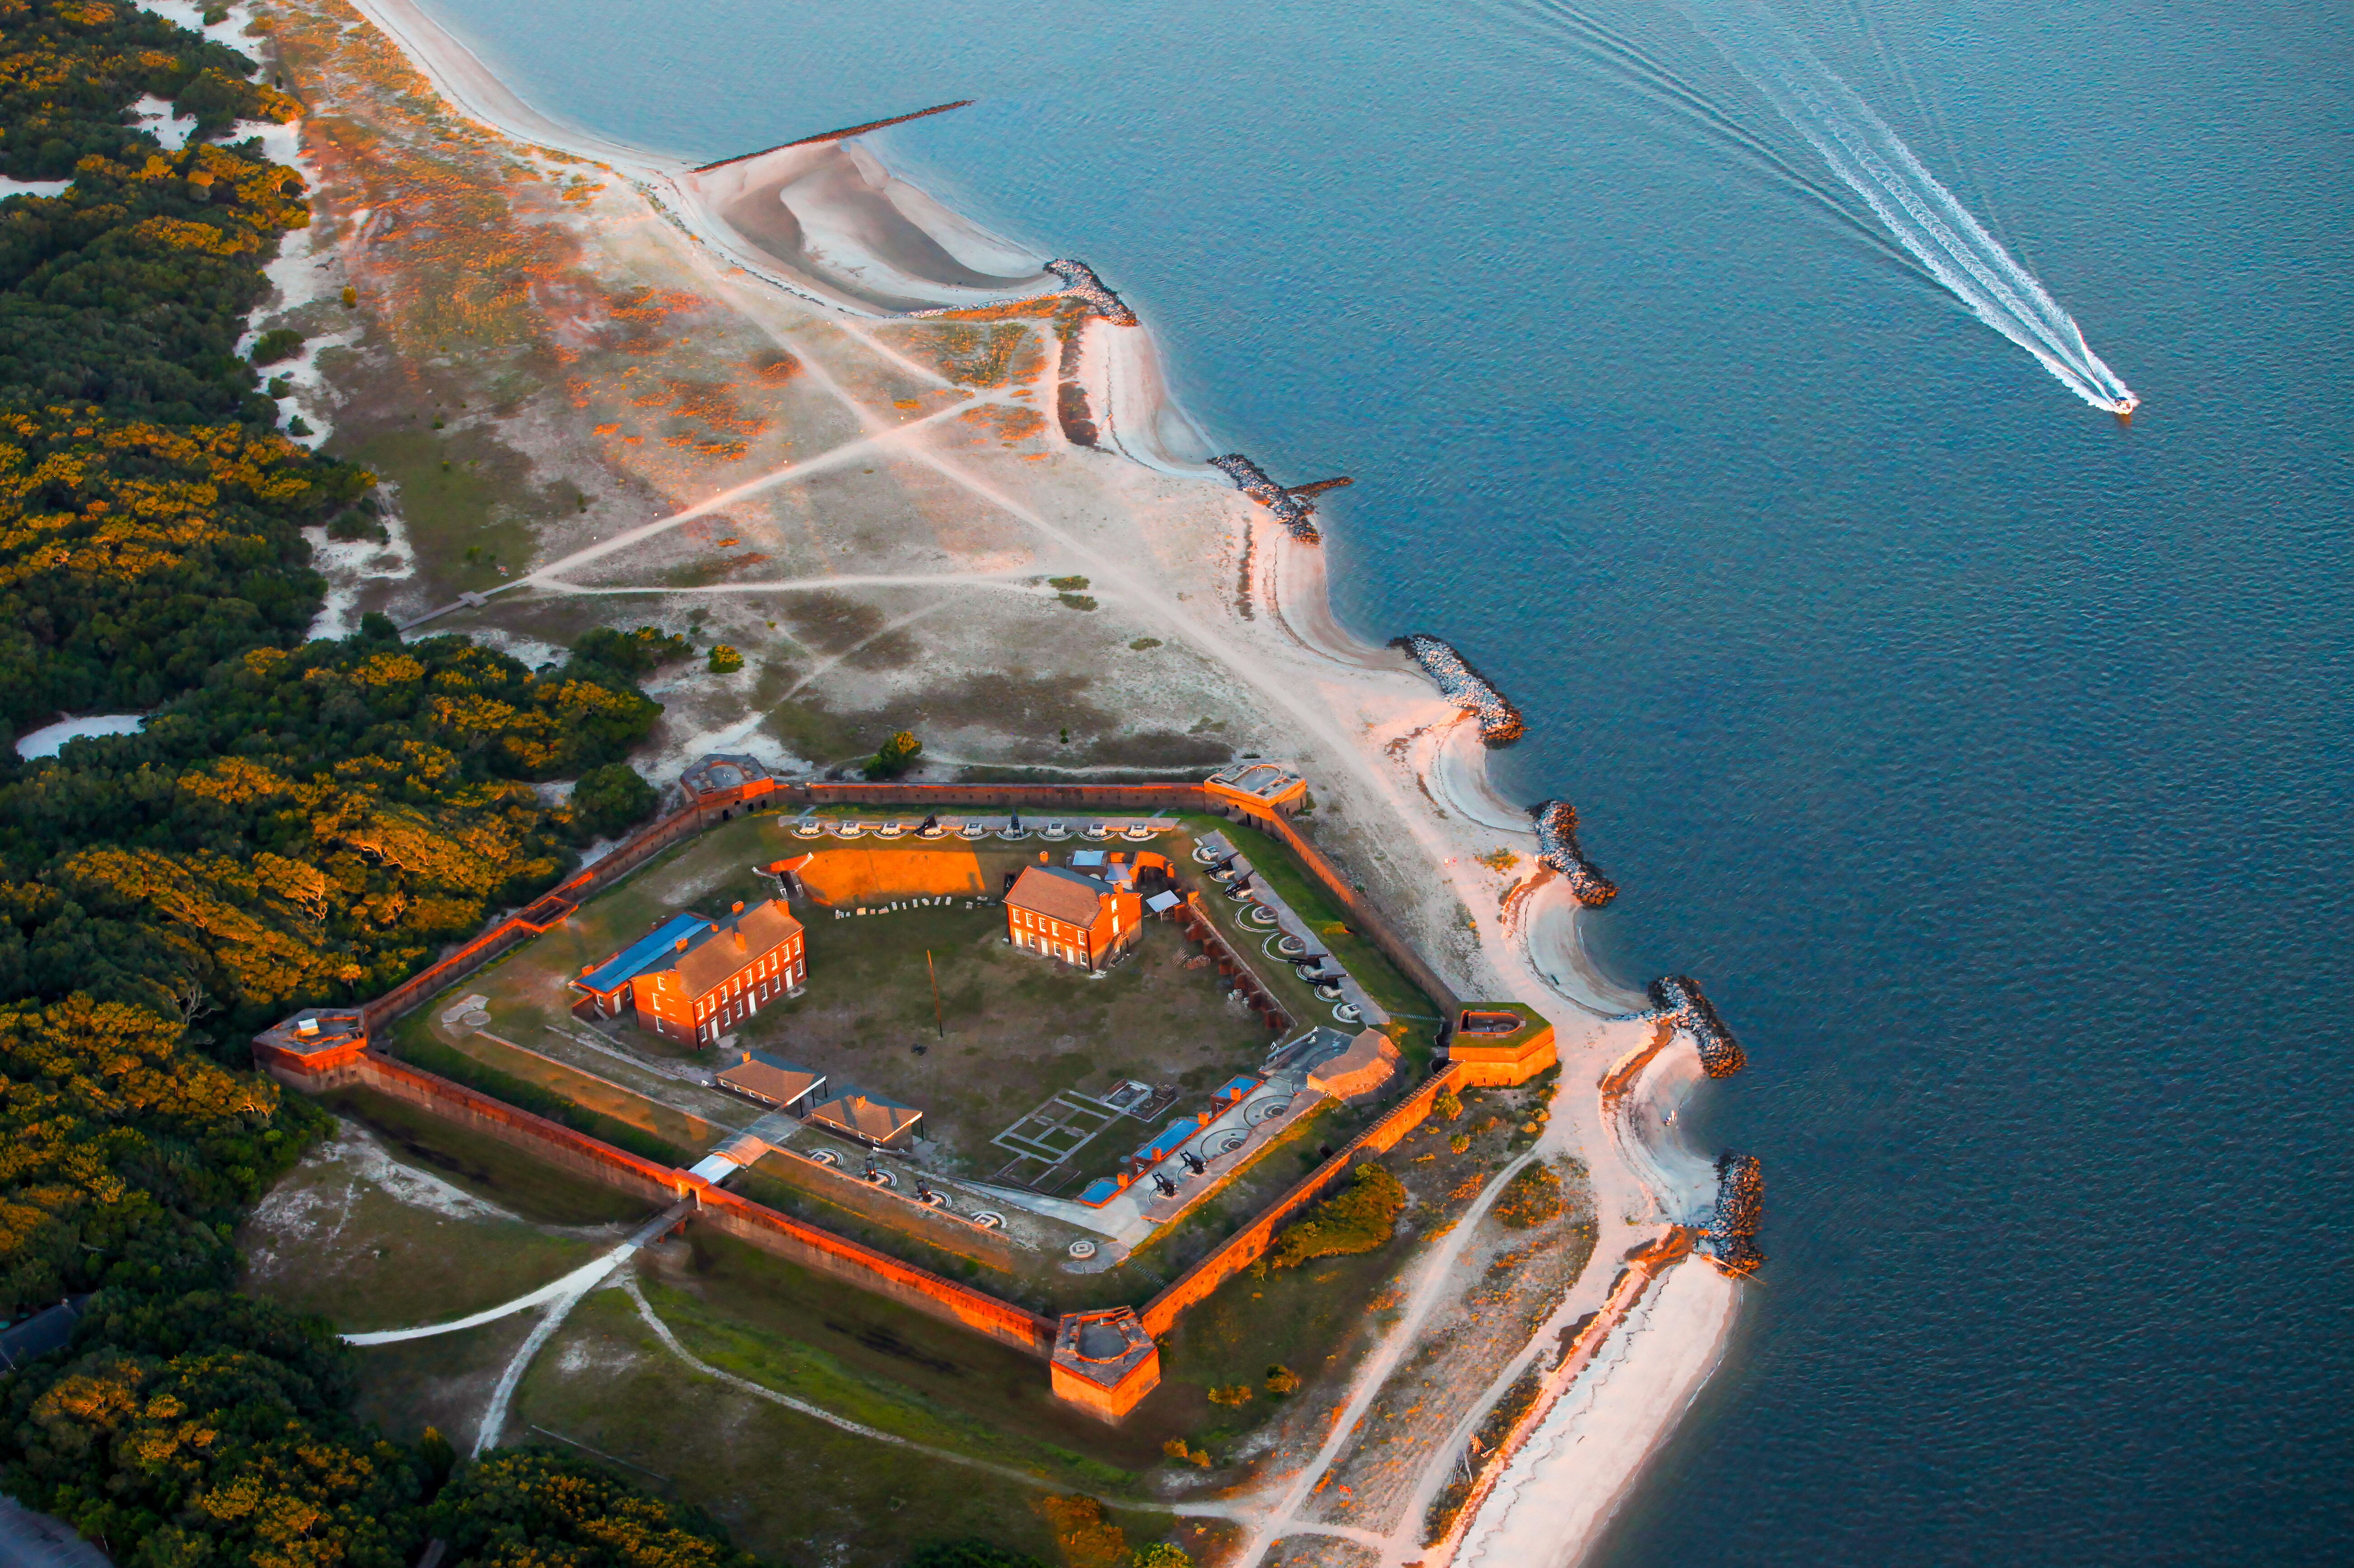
[1921,213]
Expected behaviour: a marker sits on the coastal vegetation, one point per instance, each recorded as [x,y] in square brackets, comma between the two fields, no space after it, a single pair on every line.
[1530,1198]
[297,823]
[1360,1217]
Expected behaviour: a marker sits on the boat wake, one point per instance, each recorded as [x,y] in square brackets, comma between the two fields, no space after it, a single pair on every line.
[1924,215]
[1929,225]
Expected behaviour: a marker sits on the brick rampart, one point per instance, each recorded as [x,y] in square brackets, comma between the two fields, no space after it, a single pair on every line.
[825,1253]
[988,1247]
[1062,797]
[806,1245]
[1247,1246]
[548,1140]
[738,1216]
[1158,797]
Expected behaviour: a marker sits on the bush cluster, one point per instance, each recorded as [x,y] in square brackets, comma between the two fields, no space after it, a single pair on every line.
[1360,1217]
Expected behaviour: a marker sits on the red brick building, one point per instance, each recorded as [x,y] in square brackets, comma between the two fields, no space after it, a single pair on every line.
[693,980]
[1071,917]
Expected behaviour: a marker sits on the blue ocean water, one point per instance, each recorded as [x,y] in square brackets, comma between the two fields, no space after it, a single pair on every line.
[1985,760]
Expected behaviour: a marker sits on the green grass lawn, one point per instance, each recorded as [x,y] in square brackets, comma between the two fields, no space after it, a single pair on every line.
[443,1382]
[508,1176]
[330,1244]
[1382,980]
[789,1487]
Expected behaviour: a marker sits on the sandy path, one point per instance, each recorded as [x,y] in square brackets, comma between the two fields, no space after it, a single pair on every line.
[1023,583]
[879,435]
[1437,1276]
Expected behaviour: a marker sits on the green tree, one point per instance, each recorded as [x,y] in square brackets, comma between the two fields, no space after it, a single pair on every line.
[277,345]
[725,661]
[609,799]
[629,653]
[898,754]
[207,1427]
[531,1508]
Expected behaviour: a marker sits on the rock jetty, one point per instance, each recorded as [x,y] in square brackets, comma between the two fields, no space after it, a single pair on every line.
[1740,1208]
[1499,721]
[1081,283]
[1678,997]
[1252,481]
[1557,847]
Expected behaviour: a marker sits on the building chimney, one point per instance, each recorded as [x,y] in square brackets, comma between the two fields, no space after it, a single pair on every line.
[747,1058]
[736,908]
[1043,857]
[680,946]
[740,939]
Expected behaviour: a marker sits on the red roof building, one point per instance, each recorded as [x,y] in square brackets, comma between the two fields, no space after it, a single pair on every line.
[1072,919]
[693,980]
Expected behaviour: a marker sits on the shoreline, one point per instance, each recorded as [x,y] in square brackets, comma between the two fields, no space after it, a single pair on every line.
[1388,734]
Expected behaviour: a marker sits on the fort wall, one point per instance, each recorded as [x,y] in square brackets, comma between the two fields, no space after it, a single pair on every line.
[812,1247]
[1247,1246]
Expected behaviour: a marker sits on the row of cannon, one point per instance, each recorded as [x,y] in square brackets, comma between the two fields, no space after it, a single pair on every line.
[1677,996]
[1557,847]
[1252,481]
[1080,283]
[1499,721]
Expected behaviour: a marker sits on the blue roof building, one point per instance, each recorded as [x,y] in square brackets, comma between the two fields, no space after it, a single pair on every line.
[650,951]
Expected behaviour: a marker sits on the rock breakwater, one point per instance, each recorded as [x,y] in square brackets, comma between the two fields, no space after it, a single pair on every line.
[1557,847]
[1081,283]
[1677,996]
[1499,721]
[1740,1209]
[1252,481]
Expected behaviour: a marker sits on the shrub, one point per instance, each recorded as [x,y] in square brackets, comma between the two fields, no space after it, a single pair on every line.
[1237,1396]
[725,661]
[356,524]
[1076,600]
[630,653]
[1161,1555]
[1086,1539]
[1530,1198]
[609,799]
[1360,1217]
[1448,1104]
[898,755]
[1281,1380]
[1068,584]
[276,345]
[1141,643]
[1179,1449]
